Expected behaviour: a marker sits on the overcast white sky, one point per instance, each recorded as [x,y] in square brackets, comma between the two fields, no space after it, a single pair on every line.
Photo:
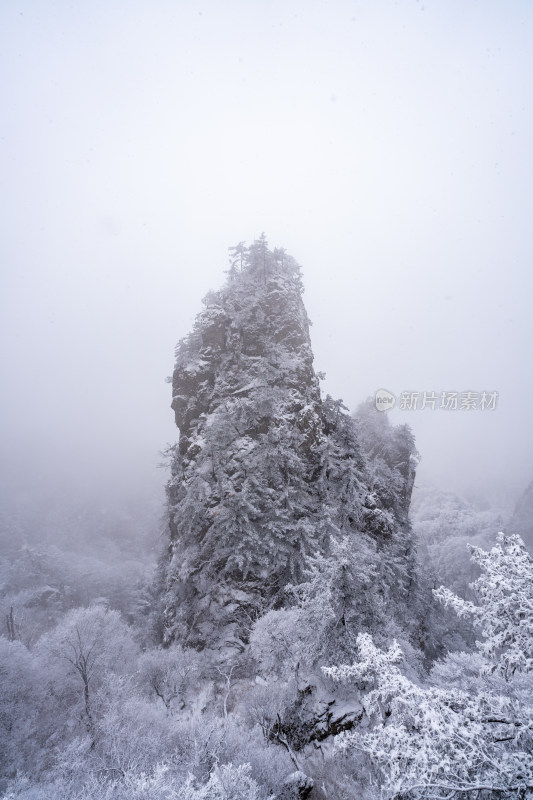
[386,145]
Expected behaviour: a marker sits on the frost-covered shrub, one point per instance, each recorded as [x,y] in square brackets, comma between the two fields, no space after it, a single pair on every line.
[132,732]
[274,641]
[225,783]
[244,743]
[168,675]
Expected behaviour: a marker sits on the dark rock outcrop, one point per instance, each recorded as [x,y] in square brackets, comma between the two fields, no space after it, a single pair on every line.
[265,473]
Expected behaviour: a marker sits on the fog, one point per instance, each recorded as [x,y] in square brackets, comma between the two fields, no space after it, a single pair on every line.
[385,145]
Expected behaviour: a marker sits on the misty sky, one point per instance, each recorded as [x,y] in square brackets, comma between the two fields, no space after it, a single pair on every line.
[386,145]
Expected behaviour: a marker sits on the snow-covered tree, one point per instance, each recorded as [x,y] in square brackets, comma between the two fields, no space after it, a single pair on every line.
[331,605]
[167,674]
[504,612]
[432,742]
[461,740]
[80,650]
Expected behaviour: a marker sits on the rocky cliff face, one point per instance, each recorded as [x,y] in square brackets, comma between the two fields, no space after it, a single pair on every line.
[391,461]
[242,493]
[265,473]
